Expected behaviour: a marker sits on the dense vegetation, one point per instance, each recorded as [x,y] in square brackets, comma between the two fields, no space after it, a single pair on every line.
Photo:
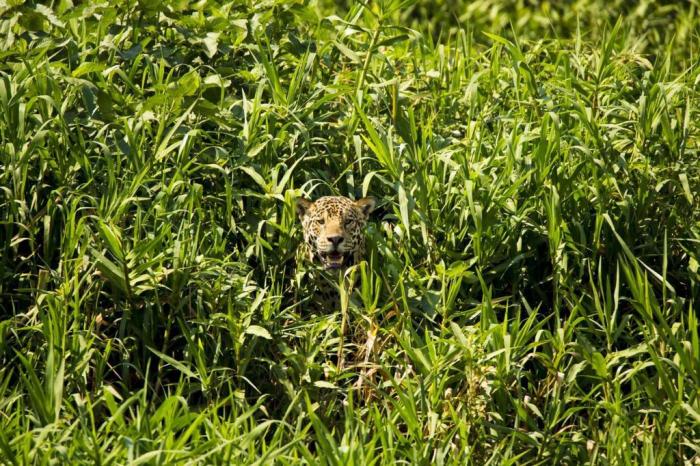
[532,289]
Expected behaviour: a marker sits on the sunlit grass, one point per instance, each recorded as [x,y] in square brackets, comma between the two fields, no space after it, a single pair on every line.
[531,288]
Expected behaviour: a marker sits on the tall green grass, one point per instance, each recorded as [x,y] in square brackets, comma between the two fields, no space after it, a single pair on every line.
[531,288]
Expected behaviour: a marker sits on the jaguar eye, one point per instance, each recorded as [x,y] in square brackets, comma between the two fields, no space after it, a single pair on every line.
[321,220]
[348,222]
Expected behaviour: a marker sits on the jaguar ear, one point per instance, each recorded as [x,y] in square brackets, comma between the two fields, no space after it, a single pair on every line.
[303,206]
[366,205]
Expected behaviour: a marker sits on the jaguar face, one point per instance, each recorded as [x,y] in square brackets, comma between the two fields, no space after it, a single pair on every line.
[334,229]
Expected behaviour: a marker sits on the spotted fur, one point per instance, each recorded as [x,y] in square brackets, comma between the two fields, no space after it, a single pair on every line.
[334,229]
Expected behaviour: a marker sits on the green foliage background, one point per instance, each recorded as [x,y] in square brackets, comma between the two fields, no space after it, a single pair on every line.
[532,288]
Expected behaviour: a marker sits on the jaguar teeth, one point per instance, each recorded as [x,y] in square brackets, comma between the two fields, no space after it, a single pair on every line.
[333,259]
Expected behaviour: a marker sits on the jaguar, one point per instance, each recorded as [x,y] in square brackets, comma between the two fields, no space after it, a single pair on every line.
[334,229]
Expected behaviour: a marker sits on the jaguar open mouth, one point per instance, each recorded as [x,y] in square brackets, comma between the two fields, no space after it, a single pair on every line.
[333,260]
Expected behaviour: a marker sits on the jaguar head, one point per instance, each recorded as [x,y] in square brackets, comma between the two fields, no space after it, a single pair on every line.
[334,229]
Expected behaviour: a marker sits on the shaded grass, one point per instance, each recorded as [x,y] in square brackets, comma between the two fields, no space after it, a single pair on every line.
[531,291]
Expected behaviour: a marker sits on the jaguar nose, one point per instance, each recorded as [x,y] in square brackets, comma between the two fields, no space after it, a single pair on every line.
[335,240]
